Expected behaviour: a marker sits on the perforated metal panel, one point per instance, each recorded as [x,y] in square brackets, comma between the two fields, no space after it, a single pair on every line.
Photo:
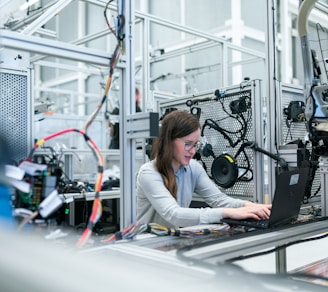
[15,112]
[292,131]
[238,128]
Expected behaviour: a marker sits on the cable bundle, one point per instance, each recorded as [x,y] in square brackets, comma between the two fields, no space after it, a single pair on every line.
[133,230]
[95,215]
[128,233]
[97,206]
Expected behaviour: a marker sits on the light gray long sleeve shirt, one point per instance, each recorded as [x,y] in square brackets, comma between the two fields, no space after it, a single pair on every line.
[155,203]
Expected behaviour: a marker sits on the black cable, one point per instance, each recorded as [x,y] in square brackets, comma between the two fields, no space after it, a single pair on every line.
[212,124]
[181,254]
[314,194]
[277,248]
[247,170]
[289,132]
[241,132]
[230,115]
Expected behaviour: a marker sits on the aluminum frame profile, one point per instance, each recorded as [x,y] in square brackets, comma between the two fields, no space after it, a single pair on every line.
[14,40]
[196,32]
[127,104]
[142,125]
[49,13]
[223,251]
[323,166]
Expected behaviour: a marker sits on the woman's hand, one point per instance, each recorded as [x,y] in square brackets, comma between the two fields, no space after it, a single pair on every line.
[250,210]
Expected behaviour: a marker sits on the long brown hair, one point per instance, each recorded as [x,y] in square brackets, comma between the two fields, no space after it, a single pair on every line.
[176,124]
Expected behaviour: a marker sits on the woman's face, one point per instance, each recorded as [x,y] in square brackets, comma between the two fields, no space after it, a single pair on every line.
[184,149]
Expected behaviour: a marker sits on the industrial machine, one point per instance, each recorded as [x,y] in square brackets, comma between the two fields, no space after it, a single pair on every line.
[316,102]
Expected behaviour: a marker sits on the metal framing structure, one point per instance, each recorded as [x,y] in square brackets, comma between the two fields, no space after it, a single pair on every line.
[14,40]
[283,133]
[26,41]
[204,40]
[225,250]
[209,106]
[282,95]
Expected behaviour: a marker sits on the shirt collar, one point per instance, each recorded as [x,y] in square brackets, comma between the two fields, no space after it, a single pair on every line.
[181,169]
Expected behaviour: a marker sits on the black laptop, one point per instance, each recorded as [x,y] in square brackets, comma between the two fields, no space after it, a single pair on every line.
[286,204]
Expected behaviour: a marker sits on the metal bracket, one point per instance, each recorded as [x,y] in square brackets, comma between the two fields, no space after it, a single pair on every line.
[142,125]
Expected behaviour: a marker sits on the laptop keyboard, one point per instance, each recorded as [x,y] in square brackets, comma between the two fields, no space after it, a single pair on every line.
[263,223]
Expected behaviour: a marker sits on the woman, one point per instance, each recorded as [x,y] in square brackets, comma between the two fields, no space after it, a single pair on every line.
[166,184]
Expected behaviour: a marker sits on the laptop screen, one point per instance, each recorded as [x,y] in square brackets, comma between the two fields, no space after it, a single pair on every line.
[288,197]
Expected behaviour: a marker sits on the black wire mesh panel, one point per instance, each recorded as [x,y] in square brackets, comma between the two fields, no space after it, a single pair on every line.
[226,132]
[294,127]
[293,124]
[227,123]
[14,119]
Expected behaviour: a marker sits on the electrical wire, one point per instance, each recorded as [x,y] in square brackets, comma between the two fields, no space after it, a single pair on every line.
[277,248]
[181,254]
[94,217]
[240,133]
[97,206]
[131,231]
[118,49]
[188,232]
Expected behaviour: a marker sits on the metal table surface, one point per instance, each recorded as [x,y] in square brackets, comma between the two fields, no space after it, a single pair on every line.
[235,246]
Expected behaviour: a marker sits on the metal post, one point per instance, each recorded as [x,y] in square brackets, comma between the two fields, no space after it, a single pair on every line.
[271,86]
[127,149]
[68,165]
[323,166]
[281,263]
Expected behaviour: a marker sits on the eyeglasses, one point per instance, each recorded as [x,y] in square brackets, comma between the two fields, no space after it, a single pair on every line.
[188,145]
